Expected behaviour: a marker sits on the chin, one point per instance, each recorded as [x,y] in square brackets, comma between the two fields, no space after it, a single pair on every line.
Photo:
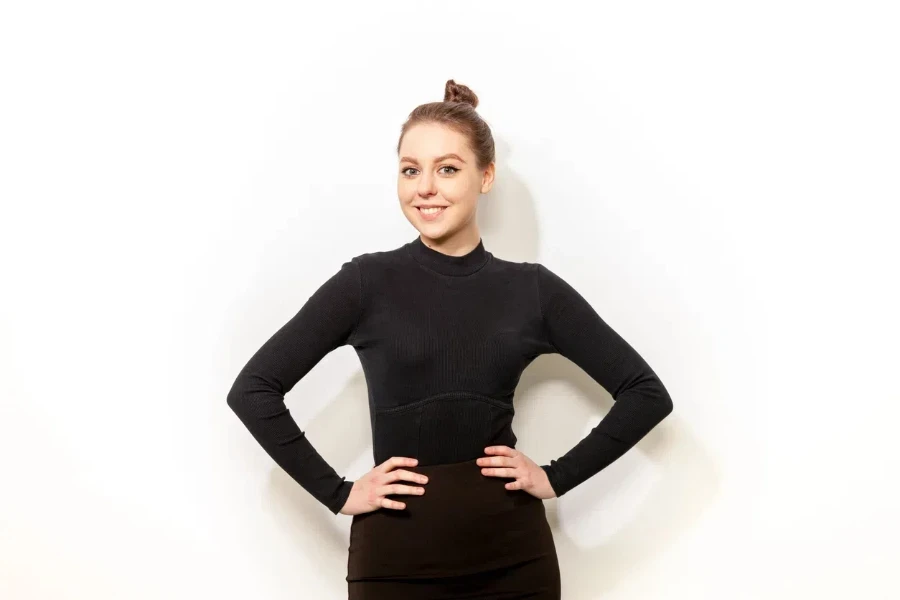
[435,232]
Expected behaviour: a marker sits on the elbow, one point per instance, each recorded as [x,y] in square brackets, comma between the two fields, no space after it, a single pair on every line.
[668,406]
[664,403]
[236,398]
[657,408]
[251,396]
[659,400]
[657,397]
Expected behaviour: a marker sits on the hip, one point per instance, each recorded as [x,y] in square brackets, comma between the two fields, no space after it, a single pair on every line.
[464,523]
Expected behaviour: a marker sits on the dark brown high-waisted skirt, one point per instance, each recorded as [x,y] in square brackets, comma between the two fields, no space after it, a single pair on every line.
[467,536]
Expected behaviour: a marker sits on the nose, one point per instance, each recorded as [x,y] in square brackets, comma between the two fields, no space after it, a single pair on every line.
[426,185]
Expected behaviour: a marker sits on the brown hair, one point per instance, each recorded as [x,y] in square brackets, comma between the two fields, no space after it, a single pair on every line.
[457,111]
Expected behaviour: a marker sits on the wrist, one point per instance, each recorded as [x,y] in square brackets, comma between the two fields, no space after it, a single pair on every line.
[550,475]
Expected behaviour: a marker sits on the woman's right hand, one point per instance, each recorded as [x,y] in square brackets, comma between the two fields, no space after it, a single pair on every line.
[369,491]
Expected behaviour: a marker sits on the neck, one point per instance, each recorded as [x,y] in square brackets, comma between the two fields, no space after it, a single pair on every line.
[450,258]
[456,243]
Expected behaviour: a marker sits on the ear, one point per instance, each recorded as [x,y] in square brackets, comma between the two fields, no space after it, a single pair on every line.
[487,180]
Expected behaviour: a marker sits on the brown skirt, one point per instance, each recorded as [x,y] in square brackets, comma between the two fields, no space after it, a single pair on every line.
[466,536]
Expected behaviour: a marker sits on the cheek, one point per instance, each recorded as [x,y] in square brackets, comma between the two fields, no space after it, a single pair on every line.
[406,188]
[459,189]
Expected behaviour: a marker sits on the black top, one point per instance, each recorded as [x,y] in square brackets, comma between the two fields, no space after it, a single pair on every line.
[443,341]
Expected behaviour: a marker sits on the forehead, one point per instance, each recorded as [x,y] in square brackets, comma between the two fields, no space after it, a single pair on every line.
[428,140]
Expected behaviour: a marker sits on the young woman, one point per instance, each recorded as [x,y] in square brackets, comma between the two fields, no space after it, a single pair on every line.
[443,329]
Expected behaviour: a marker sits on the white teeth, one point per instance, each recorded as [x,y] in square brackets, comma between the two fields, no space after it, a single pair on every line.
[431,211]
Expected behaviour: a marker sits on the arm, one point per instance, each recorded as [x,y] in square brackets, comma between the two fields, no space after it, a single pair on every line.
[574,329]
[323,323]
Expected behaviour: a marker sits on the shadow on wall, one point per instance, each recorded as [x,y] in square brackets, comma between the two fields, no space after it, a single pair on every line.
[684,476]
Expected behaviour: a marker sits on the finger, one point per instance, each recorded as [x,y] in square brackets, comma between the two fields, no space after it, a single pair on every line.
[403,474]
[397,488]
[499,472]
[388,503]
[495,461]
[501,450]
[514,485]
[397,461]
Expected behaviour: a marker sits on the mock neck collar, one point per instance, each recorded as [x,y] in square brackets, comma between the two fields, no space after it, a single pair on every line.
[447,264]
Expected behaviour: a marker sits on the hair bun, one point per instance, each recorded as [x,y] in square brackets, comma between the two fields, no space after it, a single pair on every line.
[457,92]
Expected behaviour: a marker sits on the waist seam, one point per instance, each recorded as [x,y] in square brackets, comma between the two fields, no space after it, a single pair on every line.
[465,395]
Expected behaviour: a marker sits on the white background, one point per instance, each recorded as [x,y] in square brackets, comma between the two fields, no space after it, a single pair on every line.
[720,180]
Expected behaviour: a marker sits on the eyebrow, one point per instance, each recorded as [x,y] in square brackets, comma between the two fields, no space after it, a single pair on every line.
[438,159]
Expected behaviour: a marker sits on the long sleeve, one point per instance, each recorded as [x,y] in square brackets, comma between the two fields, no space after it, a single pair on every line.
[575,330]
[325,321]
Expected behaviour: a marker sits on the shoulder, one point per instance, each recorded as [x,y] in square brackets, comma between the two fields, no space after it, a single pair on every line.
[523,266]
[373,267]
[536,273]
[548,284]
[380,256]
[379,259]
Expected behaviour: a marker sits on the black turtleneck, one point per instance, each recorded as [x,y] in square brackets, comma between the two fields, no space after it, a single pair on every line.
[442,341]
[446,264]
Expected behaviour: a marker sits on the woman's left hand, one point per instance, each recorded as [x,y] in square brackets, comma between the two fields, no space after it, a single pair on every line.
[509,462]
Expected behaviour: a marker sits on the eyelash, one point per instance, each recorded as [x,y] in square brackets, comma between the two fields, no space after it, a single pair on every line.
[455,170]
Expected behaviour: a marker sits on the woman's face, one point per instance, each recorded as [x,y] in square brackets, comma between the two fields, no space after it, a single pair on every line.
[437,168]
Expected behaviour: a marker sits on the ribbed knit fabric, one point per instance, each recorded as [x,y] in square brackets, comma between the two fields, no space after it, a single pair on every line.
[443,341]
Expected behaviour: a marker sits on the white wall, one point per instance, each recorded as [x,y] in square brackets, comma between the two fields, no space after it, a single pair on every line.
[719,179]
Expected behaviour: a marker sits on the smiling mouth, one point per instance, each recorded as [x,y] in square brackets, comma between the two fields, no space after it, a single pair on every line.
[431,211]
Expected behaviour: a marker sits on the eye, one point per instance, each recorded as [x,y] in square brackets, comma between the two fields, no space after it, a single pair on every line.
[404,171]
[450,167]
